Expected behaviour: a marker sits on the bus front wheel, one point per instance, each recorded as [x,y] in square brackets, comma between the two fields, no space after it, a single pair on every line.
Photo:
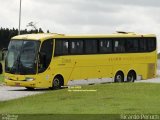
[119,77]
[57,83]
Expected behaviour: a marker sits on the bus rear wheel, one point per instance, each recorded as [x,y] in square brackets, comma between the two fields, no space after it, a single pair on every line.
[119,77]
[57,83]
[131,77]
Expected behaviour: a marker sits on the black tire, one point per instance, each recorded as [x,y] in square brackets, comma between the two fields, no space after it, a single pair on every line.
[30,88]
[119,77]
[57,83]
[131,77]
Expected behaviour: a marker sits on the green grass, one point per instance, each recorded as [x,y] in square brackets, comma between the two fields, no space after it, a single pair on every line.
[113,99]
[136,98]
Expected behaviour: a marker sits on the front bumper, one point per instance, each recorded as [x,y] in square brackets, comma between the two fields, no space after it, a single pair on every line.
[20,83]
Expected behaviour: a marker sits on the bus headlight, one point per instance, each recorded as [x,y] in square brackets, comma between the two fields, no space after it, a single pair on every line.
[29,79]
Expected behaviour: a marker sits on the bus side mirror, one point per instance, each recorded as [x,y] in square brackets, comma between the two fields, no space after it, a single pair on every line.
[4,51]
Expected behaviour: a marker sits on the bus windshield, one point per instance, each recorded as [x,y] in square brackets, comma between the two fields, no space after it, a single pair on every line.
[21,57]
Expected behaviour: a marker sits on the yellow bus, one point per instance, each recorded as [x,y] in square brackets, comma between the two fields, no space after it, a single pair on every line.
[56,60]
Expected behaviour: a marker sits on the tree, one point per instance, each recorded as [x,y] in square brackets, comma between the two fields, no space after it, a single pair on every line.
[6,34]
[32,24]
[48,31]
[40,30]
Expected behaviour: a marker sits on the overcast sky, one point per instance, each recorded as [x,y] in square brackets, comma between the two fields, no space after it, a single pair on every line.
[84,16]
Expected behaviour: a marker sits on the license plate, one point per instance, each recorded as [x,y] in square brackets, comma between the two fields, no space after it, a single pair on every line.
[17,84]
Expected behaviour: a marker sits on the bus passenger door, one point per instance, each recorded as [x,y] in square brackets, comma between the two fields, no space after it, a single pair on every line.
[44,67]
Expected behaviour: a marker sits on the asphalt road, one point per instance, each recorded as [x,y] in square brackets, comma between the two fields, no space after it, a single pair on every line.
[9,93]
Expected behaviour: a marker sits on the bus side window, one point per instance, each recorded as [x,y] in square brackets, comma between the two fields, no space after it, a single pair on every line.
[105,46]
[61,47]
[45,55]
[119,45]
[151,44]
[132,45]
[76,47]
[91,46]
[142,45]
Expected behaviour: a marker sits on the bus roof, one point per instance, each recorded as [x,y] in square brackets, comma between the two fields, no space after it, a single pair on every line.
[45,36]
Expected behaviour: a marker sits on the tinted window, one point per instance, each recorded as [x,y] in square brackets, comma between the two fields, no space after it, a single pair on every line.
[151,44]
[105,46]
[76,46]
[46,51]
[90,46]
[61,47]
[142,45]
[132,45]
[119,45]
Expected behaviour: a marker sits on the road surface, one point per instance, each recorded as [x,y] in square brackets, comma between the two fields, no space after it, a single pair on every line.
[9,93]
